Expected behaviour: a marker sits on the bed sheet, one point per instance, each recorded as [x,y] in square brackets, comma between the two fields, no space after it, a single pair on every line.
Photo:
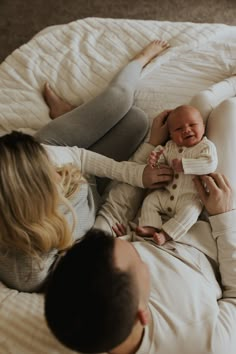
[79,59]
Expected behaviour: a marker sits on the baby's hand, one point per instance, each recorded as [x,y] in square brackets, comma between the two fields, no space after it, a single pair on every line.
[154,158]
[177,165]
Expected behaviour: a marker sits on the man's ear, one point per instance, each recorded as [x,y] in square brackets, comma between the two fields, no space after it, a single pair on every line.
[144,316]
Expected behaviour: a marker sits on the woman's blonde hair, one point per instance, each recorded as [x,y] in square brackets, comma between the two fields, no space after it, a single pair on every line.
[30,196]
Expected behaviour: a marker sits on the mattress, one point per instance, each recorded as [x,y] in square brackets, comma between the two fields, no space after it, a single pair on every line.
[79,59]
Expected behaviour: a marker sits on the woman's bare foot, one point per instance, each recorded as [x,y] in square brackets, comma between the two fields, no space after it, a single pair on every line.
[161,237]
[145,231]
[152,50]
[57,106]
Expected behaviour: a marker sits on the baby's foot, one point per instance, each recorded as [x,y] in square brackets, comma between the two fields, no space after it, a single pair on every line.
[161,237]
[152,50]
[57,106]
[145,231]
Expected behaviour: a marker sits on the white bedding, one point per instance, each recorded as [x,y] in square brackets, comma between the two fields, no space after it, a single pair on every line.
[79,59]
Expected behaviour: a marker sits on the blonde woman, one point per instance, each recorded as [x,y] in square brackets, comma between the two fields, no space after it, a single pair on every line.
[48,195]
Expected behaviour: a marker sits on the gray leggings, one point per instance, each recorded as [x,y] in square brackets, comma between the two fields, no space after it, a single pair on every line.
[108,124]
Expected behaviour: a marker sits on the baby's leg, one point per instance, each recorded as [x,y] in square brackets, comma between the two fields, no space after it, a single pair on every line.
[208,99]
[150,220]
[159,236]
[221,129]
[184,216]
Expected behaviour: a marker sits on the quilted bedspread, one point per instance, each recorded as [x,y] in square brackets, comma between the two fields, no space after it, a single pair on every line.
[80,58]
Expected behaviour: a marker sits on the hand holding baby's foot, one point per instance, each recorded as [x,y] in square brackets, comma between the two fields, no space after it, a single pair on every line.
[152,50]
[57,106]
[161,237]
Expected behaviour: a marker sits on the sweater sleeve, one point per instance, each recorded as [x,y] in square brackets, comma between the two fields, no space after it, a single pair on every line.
[25,273]
[95,164]
[205,162]
[224,232]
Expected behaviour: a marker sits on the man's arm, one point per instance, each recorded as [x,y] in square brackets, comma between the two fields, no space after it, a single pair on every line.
[218,200]
[224,232]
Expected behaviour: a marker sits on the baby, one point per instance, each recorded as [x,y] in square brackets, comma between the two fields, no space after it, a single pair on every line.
[189,153]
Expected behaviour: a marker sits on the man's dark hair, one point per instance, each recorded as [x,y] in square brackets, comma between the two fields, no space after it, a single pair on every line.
[91,305]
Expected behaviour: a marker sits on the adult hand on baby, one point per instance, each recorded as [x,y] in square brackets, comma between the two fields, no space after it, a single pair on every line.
[215,192]
[177,165]
[159,131]
[157,177]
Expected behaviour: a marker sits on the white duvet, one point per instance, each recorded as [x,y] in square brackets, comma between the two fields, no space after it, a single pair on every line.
[79,59]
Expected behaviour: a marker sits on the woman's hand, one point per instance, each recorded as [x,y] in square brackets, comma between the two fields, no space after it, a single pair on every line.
[215,192]
[159,131]
[157,177]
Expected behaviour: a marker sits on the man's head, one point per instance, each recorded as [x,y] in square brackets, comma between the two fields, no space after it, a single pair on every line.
[97,294]
[186,126]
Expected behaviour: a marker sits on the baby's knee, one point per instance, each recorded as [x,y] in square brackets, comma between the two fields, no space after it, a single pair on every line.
[150,200]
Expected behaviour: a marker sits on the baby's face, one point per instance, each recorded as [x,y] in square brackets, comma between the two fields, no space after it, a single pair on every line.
[186,126]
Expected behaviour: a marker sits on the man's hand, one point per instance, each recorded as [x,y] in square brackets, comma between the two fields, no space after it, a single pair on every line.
[215,193]
[157,177]
[177,165]
[159,130]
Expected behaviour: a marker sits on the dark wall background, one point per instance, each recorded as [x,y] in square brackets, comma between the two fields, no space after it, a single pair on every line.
[21,19]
